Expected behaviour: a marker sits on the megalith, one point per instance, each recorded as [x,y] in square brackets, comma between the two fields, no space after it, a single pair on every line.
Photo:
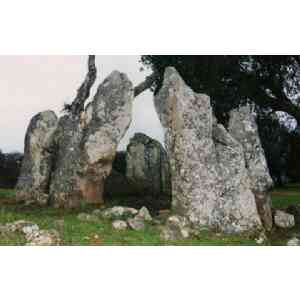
[34,179]
[64,188]
[243,128]
[210,182]
[147,166]
[108,117]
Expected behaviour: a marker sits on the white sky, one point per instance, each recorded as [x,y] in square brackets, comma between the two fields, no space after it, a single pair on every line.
[31,84]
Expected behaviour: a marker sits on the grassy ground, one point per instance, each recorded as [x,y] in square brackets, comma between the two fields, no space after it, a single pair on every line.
[76,232]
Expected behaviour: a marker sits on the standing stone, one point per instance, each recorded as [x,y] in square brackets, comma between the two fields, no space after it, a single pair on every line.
[86,145]
[33,183]
[148,167]
[65,189]
[243,128]
[210,183]
[108,118]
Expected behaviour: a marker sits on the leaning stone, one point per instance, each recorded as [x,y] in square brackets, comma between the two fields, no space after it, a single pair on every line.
[210,183]
[243,127]
[108,118]
[119,225]
[136,224]
[293,242]
[144,214]
[283,219]
[34,179]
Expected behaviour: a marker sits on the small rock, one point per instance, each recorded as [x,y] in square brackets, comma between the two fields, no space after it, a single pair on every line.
[119,212]
[136,224]
[97,212]
[144,214]
[176,228]
[261,239]
[18,225]
[30,229]
[44,238]
[119,225]
[293,242]
[283,219]
[87,217]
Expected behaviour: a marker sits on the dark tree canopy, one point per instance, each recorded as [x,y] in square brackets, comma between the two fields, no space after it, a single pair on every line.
[269,81]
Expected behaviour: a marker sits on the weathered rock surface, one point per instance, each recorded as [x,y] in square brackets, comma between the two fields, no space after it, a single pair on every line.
[108,118]
[243,128]
[144,214]
[34,179]
[293,242]
[148,167]
[119,212]
[210,182]
[85,145]
[44,238]
[33,235]
[119,225]
[176,228]
[136,223]
[65,190]
[283,219]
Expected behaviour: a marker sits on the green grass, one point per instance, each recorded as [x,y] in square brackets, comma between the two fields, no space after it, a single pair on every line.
[77,232]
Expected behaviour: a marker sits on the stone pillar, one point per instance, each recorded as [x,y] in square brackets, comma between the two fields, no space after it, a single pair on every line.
[210,182]
[34,179]
[147,167]
[243,128]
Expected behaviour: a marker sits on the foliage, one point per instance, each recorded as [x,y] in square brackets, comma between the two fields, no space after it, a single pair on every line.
[269,81]
[10,164]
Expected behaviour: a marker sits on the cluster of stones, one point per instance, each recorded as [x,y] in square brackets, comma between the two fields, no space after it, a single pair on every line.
[122,217]
[220,179]
[67,160]
[34,236]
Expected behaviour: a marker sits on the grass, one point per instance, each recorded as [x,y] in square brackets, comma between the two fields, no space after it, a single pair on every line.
[77,232]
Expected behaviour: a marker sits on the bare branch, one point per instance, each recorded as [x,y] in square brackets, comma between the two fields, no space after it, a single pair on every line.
[83,92]
[146,84]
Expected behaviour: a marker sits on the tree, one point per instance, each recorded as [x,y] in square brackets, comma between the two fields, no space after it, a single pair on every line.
[271,82]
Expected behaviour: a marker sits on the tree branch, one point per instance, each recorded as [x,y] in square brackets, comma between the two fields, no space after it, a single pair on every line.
[146,84]
[83,92]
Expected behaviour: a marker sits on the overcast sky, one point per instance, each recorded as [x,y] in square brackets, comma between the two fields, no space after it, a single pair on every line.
[31,84]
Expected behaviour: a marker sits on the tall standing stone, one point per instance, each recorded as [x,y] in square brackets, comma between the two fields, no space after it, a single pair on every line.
[34,179]
[243,128]
[65,189]
[108,118]
[210,184]
[86,145]
[147,166]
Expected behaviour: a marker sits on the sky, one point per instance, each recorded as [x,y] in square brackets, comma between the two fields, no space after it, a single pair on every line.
[31,84]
